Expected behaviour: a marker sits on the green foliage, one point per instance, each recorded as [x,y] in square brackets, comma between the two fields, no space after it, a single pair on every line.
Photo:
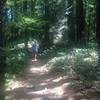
[58,64]
[90,17]
[24,19]
[15,61]
[87,72]
[78,62]
[50,52]
[84,65]
[55,21]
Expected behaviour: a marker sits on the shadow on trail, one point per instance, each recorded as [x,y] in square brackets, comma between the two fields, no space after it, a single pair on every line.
[37,83]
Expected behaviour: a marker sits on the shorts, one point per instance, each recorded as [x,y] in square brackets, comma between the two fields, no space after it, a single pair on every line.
[34,51]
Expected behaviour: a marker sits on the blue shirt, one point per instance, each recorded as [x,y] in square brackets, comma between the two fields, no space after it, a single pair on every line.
[35,47]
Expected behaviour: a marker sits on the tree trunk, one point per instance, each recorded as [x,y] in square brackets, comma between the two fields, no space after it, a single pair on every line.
[25,7]
[33,4]
[2,57]
[46,37]
[71,21]
[80,21]
[98,28]
[98,22]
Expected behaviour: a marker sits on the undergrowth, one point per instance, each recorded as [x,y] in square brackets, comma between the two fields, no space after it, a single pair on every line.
[80,62]
[15,61]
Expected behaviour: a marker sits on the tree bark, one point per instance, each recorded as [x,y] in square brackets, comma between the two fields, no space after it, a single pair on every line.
[98,22]
[98,28]
[2,44]
[71,21]
[33,4]
[46,37]
[80,21]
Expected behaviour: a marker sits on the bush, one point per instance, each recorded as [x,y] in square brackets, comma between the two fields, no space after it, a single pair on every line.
[15,61]
[78,62]
[58,64]
[85,62]
[87,72]
[49,53]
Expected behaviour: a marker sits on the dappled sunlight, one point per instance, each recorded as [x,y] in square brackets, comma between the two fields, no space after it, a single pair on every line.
[39,70]
[15,84]
[58,79]
[88,59]
[53,60]
[21,45]
[94,54]
[89,55]
[39,87]
[41,84]
[71,98]
[51,50]
[48,80]
[39,98]
[56,92]
[39,93]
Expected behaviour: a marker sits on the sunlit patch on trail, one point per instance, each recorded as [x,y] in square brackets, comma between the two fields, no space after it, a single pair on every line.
[38,98]
[39,84]
[52,93]
[43,84]
[39,70]
[15,84]
[58,79]
[71,98]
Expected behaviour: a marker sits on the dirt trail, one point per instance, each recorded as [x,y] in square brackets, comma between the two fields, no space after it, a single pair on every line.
[37,83]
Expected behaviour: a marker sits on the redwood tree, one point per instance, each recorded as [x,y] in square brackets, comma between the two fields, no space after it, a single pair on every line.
[98,22]
[98,26]
[80,21]
[2,44]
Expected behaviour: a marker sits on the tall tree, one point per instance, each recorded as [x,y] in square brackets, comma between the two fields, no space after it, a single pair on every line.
[33,4]
[98,26]
[2,44]
[71,19]
[80,21]
[46,35]
[25,7]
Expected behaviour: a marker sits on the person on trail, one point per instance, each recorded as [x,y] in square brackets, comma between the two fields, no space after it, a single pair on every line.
[35,49]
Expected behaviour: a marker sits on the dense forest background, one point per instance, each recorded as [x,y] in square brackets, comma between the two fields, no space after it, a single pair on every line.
[68,32]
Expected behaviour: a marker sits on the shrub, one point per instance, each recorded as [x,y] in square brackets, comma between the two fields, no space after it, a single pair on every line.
[15,61]
[58,64]
[78,62]
[87,72]
[85,65]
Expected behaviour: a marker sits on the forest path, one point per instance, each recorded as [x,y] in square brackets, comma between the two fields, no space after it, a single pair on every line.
[37,83]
